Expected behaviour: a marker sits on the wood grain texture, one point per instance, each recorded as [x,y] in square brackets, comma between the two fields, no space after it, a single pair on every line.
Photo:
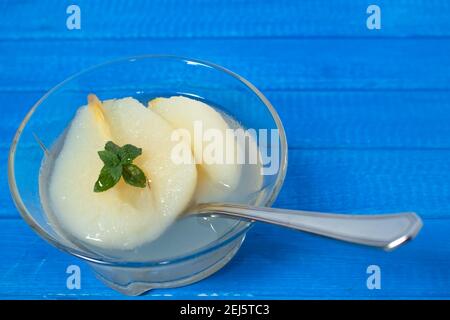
[103,19]
[271,64]
[366,115]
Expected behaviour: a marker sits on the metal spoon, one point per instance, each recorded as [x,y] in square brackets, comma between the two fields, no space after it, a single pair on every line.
[387,231]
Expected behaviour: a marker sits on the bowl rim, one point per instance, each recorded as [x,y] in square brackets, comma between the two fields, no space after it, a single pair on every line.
[237,230]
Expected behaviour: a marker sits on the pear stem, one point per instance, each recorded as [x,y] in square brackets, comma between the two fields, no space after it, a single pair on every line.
[96,106]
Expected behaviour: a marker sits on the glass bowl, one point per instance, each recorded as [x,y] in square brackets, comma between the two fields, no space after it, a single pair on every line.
[141,77]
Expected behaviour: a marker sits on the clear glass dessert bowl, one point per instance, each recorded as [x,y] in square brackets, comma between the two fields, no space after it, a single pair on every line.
[143,78]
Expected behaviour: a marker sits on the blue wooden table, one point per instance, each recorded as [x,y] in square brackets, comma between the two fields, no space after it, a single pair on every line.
[367,115]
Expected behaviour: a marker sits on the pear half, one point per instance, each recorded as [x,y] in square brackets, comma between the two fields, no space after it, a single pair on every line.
[216,180]
[124,216]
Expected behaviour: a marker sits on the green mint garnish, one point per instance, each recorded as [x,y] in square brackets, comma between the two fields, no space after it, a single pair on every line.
[118,163]
[133,175]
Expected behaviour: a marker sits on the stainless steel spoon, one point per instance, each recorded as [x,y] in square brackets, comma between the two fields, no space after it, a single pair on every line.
[387,231]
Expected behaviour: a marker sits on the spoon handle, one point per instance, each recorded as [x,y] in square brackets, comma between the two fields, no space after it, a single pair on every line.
[386,231]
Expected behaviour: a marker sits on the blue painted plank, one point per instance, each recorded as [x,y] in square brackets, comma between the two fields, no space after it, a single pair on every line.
[271,64]
[272,263]
[365,120]
[236,18]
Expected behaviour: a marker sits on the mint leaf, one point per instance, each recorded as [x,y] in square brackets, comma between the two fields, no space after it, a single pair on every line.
[108,178]
[129,152]
[111,146]
[109,158]
[134,176]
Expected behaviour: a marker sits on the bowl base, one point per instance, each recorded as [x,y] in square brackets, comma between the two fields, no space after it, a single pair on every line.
[138,285]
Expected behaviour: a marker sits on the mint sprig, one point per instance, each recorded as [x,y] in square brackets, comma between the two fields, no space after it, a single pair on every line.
[118,162]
